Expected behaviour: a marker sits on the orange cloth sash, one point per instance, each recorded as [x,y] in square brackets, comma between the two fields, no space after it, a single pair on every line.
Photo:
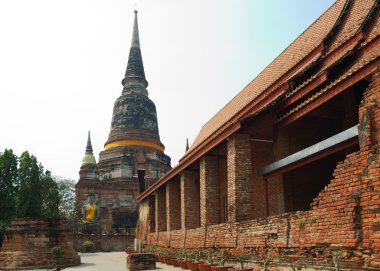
[90,213]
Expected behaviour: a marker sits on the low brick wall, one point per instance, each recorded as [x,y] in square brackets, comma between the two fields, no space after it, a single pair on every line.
[105,242]
[27,244]
[141,261]
[345,214]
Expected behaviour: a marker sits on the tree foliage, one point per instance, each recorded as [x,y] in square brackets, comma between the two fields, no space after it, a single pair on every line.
[66,190]
[8,186]
[30,194]
[27,190]
[50,196]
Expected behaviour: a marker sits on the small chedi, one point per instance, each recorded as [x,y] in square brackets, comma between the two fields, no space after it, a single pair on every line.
[133,157]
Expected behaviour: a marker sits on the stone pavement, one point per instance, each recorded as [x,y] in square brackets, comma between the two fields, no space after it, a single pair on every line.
[109,261]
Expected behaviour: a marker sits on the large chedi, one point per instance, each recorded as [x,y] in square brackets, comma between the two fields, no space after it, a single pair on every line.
[133,157]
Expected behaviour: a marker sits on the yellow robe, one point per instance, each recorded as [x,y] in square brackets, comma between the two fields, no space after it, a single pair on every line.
[90,213]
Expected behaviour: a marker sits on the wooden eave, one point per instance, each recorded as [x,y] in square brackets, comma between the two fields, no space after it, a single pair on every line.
[221,134]
[271,93]
[339,85]
[273,90]
[181,166]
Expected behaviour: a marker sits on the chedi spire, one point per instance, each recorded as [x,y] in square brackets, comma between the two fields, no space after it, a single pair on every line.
[134,79]
[88,158]
[134,118]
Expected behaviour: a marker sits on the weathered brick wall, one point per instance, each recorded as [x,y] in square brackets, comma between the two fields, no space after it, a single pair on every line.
[140,261]
[27,244]
[345,213]
[160,209]
[114,199]
[261,156]
[173,201]
[105,242]
[209,190]
[190,206]
[162,239]
[176,239]
[222,165]
[146,221]
[239,178]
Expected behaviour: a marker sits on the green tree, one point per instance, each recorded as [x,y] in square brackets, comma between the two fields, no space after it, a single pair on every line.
[29,196]
[66,189]
[50,195]
[8,186]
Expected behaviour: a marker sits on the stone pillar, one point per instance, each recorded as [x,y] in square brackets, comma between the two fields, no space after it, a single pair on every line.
[160,209]
[173,205]
[239,178]
[152,214]
[209,191]
[189,200]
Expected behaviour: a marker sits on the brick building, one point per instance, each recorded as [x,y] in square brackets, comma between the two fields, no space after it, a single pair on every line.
[293,157]
[133,157]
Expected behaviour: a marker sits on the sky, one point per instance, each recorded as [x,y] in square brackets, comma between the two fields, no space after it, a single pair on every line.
[61,64]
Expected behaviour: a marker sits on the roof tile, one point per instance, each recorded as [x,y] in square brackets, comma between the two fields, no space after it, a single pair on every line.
[311,38]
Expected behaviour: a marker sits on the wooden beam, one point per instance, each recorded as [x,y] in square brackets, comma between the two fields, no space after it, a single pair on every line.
[304,91]
[342,86]
[254,108]
[344,47]
[177,170]
[315,157]
[265,97]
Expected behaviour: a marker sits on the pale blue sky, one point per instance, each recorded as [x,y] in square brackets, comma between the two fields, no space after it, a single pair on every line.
[61,63]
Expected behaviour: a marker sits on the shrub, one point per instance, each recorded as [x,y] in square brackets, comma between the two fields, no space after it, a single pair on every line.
[88,246]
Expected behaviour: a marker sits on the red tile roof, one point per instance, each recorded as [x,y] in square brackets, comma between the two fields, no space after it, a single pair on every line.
[328,39]
[310,39]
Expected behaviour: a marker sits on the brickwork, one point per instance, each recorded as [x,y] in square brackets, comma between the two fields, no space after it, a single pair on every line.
[141,261]
[27,244]
[276,191]
[223,189]
[105,242]
[160,210]
[262,155]
[173,206]
[146,223]
[151,219]
[344,214]
[190,209]
[209,191]
[115,201]
[133,157]
[239,178]
[327,200]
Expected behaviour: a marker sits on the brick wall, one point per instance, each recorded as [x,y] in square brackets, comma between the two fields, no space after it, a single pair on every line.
[160,209]
[345,213]
[108,195]
[209,191]
[27,244]
[239,178]
[190,207]
[262,155]
[223,189]
[173,203]
[105,242]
